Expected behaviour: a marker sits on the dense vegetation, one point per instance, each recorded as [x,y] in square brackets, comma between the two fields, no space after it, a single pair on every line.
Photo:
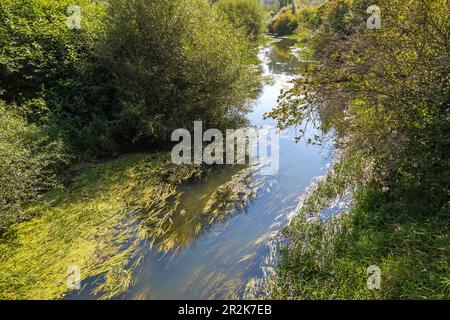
[288,15]
[283,23]
[385,93]
[27,157]
[134,72]
[249,15]
[47,71]
[174,62]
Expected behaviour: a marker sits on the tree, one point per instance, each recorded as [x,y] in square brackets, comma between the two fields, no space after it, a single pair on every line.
[384,92]
[174,62]
[246,14]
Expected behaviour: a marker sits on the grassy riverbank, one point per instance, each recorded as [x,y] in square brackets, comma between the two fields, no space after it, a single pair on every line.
[90,223]
[328,258]
[384,93]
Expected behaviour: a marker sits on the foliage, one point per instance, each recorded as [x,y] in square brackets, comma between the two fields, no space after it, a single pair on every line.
[50,72]
[174,62]
[134,72]
[28,157]
[84,86]
[283,23]
[246,14]
[308,17]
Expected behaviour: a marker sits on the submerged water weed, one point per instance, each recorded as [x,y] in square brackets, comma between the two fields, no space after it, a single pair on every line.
[105,218]
[91,223]
[192,212]
[233,195]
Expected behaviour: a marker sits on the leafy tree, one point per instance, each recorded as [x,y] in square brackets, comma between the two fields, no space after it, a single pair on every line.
[135,71]
[246,14]
[280,4]
[309,17]
[51,73]
[174,62]
[385,93]
[284,23]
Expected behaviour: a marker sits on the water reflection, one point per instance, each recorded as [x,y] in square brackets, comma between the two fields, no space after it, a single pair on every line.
[280,59]
[219,259]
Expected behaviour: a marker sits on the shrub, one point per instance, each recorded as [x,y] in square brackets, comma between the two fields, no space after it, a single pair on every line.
[246,14]
[175,62]
[309,17]
[284,23]
[27,161]
[386,97]
[51,73]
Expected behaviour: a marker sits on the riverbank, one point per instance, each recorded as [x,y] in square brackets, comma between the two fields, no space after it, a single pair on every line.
[92,223]
[387,106]
[328,257]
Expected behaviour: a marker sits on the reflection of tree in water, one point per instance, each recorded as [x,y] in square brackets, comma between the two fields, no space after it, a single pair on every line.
[281,58]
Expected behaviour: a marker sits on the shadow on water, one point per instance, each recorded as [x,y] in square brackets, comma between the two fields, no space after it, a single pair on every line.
[218,237]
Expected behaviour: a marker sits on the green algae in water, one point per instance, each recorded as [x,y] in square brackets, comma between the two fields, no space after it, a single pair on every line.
[89,223]
[106,218]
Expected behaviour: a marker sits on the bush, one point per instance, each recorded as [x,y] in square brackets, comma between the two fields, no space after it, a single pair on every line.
[27,161]
[284,23]
[309,17]
[388,101]
[175,62]
[246,14]
[51,73]
[385,95]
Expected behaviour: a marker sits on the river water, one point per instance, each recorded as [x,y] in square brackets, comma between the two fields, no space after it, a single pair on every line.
[204,259]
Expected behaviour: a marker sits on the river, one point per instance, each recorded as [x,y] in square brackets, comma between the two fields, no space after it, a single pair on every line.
[216,259]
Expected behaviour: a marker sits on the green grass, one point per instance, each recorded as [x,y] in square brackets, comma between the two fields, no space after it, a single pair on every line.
[89,223]
[328,258]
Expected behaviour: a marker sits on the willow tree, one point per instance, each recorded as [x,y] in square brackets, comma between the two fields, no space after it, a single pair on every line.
[249,15]
[174,62]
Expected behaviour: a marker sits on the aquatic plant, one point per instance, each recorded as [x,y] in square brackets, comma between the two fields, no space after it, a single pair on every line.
[92,223]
